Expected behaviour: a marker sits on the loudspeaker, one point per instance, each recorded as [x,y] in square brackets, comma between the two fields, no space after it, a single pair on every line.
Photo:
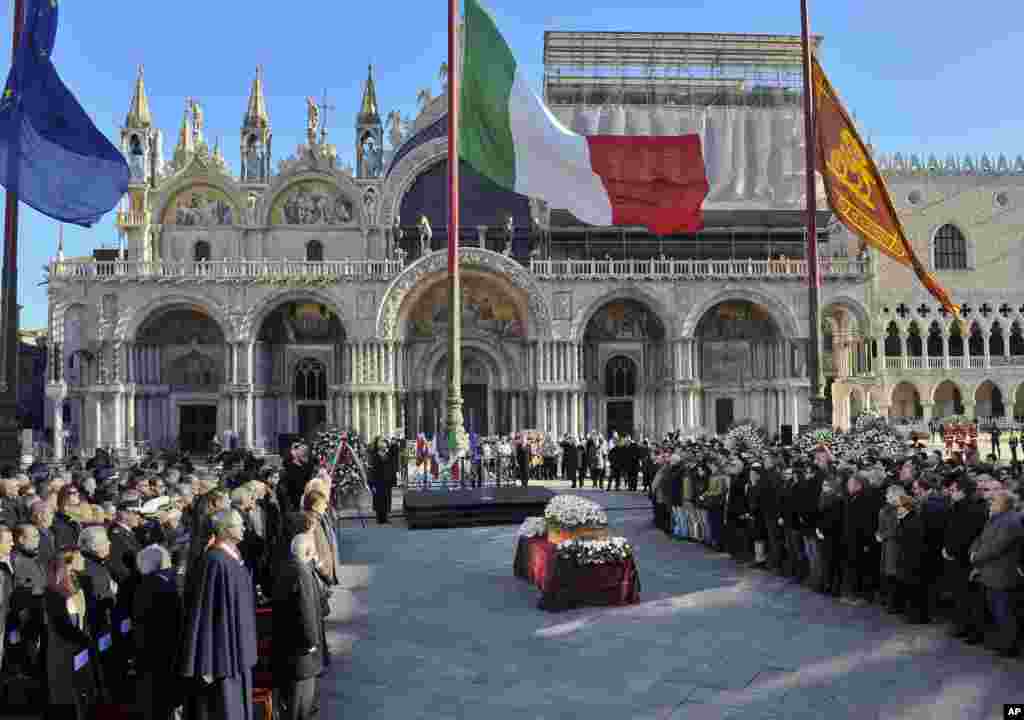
[787,434]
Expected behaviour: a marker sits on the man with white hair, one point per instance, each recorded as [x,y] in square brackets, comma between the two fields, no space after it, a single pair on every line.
[298,655]
[219,648]
[994,556]
[98,584]
[157,625]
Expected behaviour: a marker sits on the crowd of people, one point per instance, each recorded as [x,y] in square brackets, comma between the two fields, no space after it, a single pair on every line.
[139,588]
[921,535]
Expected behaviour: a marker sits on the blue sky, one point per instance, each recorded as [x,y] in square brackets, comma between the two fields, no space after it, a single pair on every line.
[919,78]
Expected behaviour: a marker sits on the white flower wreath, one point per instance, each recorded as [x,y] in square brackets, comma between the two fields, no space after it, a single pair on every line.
[575,511]
[532,527]
[596,552]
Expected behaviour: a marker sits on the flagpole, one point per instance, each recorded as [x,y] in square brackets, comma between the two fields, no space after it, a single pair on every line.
[817,399]
[10,450]
[457,440]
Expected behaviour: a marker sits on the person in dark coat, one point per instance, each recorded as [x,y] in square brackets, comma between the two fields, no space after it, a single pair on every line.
[769,512]
[860,523]
[66,528]
[523,461]
[569,459]
[933,506]
[42,519]
[29,591]
[789,520]
[807,498]
[736,512]
[70,691]
[297,472]
[964,522]
[297,654]
[219,641]
[830,534]
[912,588]
[124,548]
[994,557]
[157,625]
[591,458]
[6,584]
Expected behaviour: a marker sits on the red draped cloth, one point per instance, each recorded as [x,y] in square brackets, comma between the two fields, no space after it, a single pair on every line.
[565,585]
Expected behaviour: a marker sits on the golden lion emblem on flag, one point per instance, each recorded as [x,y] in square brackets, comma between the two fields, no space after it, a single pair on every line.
[849,165]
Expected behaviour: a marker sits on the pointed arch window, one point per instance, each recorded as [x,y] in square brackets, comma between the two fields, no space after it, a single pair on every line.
[310,380]
[314,251]
[950,248]
[620,377]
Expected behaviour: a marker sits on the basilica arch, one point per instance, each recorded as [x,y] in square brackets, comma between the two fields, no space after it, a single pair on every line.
[496,322]
[747,366]
[403,293]
[297,352]
[623,343]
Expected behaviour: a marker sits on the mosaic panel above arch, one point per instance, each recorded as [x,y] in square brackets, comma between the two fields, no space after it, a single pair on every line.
[487,308]
[200,206]
[312,202]
[625,319]
[737,320]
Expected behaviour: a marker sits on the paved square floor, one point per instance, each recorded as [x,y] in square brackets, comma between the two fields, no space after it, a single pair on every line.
[432,624]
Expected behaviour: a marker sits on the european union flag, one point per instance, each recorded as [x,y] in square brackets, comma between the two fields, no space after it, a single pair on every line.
[52,156]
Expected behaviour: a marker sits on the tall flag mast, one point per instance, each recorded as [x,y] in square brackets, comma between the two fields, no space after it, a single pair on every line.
[457,439]
[818,407]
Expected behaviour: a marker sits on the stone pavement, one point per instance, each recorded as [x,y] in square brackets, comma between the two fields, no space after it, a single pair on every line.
[432,624]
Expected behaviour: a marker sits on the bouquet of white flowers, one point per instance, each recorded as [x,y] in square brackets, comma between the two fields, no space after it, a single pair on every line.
[532,527]
[575,511]
[745,437]
[344,456]
[595,552]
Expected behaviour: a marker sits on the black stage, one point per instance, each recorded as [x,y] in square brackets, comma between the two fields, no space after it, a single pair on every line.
[483,506]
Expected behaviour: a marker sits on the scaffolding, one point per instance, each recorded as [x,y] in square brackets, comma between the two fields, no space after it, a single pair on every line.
[696,69]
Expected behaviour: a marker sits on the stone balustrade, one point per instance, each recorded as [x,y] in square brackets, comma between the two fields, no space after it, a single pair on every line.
[253,271]
[672,269]
[917,364]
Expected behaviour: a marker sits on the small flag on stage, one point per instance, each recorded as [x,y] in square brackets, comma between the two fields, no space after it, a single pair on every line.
[52,156]
[856,190]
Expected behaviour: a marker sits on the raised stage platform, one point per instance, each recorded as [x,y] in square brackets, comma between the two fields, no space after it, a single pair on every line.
[483,506]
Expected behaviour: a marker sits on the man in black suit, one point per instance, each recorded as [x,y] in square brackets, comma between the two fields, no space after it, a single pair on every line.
[6,584]
[297,655]
[964,522]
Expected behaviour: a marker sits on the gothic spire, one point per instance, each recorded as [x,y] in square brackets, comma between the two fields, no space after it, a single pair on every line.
[256,112]
[138,113]
[185,134]
[368,110]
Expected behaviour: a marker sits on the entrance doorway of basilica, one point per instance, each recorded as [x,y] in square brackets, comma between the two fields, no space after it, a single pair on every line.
[474,408]
[197,425]
[620,417]
[311,417]
[724,411]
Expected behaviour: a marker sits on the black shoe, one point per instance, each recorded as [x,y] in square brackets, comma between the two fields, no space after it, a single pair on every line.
[973,639]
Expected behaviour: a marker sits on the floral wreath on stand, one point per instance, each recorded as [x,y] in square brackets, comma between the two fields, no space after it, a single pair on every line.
[745,436]
[343,453]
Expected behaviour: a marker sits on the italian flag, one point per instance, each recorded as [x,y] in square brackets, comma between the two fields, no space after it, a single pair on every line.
[508,134]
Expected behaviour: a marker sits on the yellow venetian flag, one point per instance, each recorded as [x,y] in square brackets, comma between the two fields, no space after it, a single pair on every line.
[856,191]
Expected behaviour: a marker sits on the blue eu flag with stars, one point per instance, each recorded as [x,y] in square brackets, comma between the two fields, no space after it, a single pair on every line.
[52,156]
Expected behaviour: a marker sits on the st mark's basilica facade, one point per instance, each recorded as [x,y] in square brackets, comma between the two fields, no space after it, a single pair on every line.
[265,303]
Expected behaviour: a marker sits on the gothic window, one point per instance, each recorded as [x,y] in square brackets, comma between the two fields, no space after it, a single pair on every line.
[893,346]
[976,342]
[314,251]
[620,377]
[310,380]
[1016,340]
[201,251]
[935,341]
[914,343]
[950,248]
[995,341]
[136,145]
[956,341]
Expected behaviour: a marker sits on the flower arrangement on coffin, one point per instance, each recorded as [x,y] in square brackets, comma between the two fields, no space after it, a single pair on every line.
[595,552]
[532,527]
[875,437]
[869,420]
[571,516]
[745,436]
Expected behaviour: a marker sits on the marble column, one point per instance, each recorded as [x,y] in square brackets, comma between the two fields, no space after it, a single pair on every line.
[515,411]
[58,427]
[130,422]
